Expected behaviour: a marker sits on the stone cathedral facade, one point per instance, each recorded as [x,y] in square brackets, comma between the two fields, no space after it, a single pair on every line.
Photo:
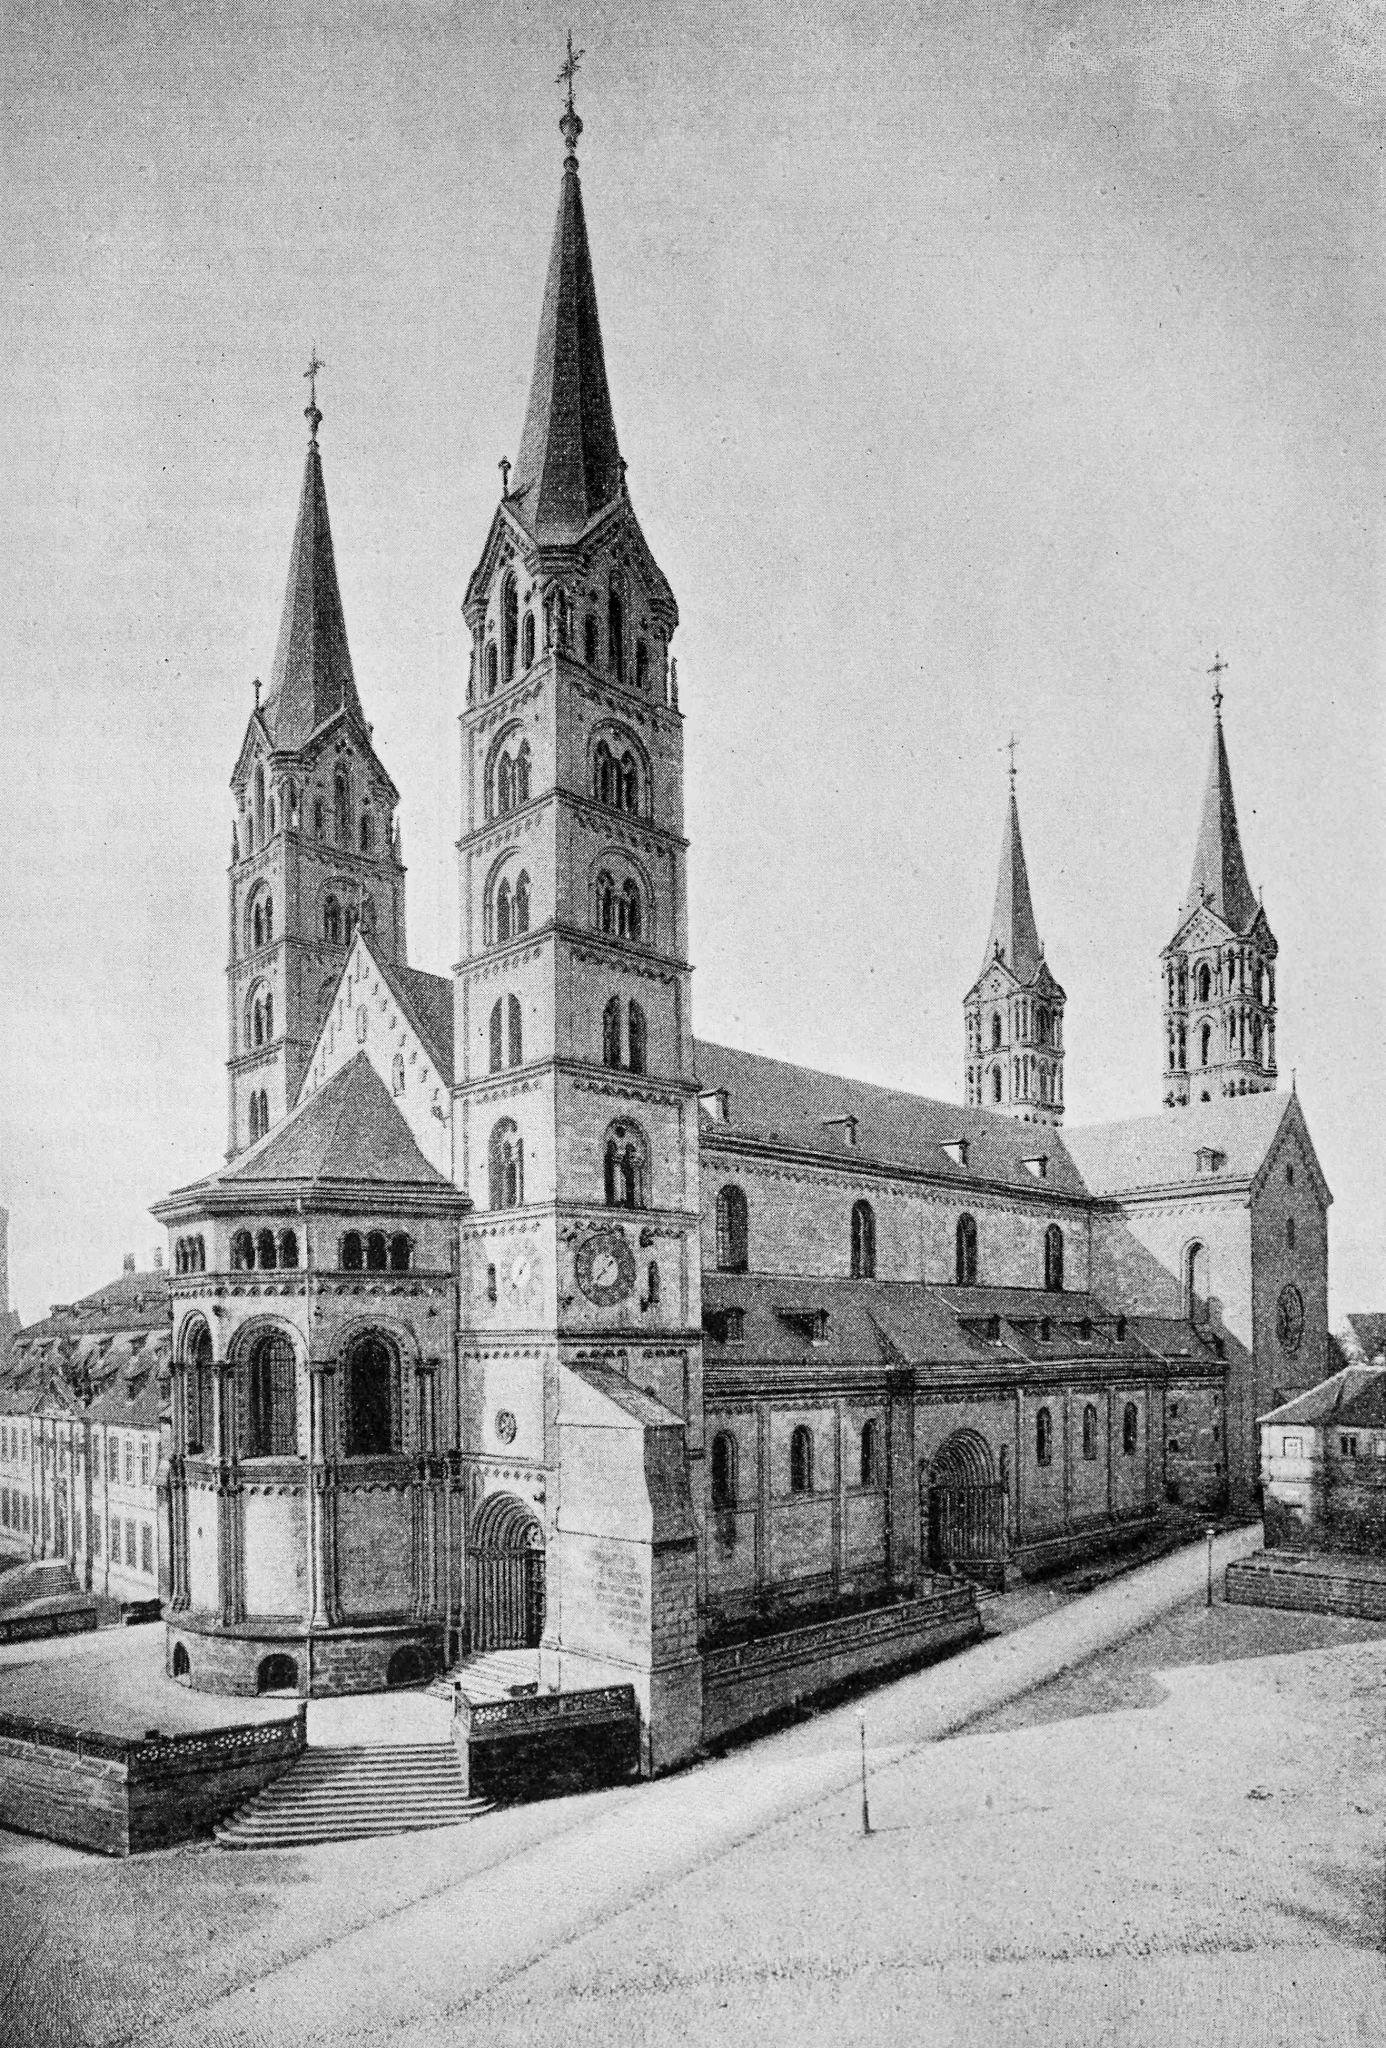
[520,1319]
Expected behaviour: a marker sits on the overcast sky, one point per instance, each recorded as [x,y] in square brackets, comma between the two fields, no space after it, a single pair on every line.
[977,366]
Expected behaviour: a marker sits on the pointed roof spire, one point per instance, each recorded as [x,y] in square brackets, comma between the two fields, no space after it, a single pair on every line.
[312,677]
[1219,875]
[569,465]
[1013,936]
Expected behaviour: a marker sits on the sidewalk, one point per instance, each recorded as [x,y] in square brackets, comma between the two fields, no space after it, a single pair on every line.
[418,1967]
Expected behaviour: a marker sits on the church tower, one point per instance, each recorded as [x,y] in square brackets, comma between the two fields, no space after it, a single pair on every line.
[1219,968]
[314,842]
[1014,1011]
[575,1113]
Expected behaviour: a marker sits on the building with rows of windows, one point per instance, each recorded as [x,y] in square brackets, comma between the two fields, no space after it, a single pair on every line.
[519,1317]
[83,1421]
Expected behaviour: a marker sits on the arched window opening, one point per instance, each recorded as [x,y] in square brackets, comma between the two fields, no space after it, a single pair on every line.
[996,1084]
[801,1460]
[510,626]
[642,666]
[242,1252]
[182,1663]
[870,1454]
[255,1132]
[503,915]
[611,1033]
[615,635]
[278,1673]
[626,1167]
[652,1285]
[319,822]
[492,670]
[288,1248]
[401,1252]
[266,1252]
[514,1018]
[1054,1259]
[1205,983]
[724,1473]
[733,1231]
[527,655]
[353,1257]
[365,831]
[995,1029]
[1089,1431]
[629,784]
[1205,1044]
[200,1419]
[264,1112]
[373,1420]
[1044,1437]
[589,640]
[562,620]
[1290,1232]
[505,785]
[965,1249]
[522,904]
[376,1260]
[497,1028]
[1130,1429]
[522,768]
[397,1074]
[863,1241]
[269,1411]
[603,770]
[505,1158]
[635,1028]
[342,799]
[1196,1283]
[332,920]
[628,912]
[606,903]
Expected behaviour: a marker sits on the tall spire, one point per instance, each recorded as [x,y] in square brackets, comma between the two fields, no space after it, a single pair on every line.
[312,677]
[569,465]
[1219,875]
[1013,934]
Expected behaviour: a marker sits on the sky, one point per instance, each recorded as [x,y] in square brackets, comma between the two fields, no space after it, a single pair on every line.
[980,369]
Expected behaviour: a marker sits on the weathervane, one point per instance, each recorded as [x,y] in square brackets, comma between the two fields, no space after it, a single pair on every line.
[1216,672]
[310,411]
[570,124]
[1009,748]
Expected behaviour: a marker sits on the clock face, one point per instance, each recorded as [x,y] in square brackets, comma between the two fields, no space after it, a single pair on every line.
[605,1267]
[1289,1319]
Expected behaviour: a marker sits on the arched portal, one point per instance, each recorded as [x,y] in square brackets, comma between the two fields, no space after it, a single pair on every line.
[277,1673]
[505,1576]
[964,1506]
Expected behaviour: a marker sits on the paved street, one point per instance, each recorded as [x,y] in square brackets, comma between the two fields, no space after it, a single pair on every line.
[1177,1840]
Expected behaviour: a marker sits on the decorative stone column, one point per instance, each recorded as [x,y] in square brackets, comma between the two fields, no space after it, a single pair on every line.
[322,1495]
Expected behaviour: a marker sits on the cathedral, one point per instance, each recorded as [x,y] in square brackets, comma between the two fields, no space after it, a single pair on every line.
[519,1319]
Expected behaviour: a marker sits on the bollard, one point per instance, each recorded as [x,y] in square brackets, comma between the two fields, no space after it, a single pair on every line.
[1211,1533]
[865,1809]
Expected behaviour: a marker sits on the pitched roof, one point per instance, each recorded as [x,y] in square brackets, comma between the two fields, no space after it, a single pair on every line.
[1219,875]
[1013,936]
[429,1000]
[569,464]
[1162,1150]
[347,1130]
[1355,1397]
[805,1110]
[312,676]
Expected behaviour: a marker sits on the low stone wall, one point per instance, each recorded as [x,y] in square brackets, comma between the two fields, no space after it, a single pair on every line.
[548,1742]
[1321,1584]
[748,1682]
[343,1660]
[1095,1539]
[119,1797]
[74,1620]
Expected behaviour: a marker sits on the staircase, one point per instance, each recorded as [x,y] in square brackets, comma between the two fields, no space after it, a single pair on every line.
[491,1675]
[341,1795]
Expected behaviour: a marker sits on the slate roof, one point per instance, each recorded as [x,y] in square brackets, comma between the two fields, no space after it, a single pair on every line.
[347,1130]
[1162,1150]
[428,998]
[569,465]
[772,1101]
[1013,936]
[1219,875]
[312,677]
[1353,1398]
[112,1344]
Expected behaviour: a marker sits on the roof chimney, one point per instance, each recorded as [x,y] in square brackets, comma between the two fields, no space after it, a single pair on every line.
[129,1262]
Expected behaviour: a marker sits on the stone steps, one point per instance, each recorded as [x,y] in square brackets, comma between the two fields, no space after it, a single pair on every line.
[342,1795]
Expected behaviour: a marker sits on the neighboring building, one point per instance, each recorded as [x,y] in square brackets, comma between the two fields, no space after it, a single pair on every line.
[1363,1340]
[518,1317]
[83,1409]
[1324,1457]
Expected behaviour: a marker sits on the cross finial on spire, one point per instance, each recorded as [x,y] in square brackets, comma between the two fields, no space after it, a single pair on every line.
[1009,748]
[1216,672]
[504,467]
[310,411]
[570,124]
